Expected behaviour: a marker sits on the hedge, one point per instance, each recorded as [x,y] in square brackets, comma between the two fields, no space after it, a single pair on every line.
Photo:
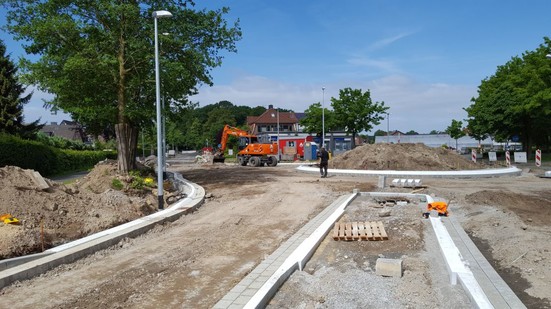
[45,159]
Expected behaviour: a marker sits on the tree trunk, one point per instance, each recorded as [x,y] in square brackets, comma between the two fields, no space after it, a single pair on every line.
[127,141]
[127,136]
[353,141]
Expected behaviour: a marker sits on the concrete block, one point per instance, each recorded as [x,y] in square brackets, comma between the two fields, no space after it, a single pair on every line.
[396,182]
[382,182]
[38,180]
[388,267]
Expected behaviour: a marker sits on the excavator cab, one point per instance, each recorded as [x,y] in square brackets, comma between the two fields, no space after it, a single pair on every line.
[244,141]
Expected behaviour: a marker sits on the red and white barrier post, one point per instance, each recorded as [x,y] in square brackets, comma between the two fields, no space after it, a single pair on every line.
[538,157]
[473,155]
[508,158]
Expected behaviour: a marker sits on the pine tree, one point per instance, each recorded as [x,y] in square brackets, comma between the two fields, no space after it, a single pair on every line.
[12,99]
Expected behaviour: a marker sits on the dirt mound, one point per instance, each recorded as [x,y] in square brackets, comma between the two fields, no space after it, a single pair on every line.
[533,209]
[402,157]
[61,213]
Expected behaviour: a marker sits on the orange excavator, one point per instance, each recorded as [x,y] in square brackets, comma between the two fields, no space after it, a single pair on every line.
[253,150]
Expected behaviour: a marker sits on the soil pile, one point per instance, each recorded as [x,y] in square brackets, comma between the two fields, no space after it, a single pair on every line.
[401,157]
[52,216]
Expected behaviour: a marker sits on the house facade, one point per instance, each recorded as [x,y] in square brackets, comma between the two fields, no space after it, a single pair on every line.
[70,130]
[268,122]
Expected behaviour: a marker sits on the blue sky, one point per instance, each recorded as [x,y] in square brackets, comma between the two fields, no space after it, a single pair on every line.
[424,59]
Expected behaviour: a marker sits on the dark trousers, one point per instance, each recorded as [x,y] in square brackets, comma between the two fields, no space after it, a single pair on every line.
[323,169]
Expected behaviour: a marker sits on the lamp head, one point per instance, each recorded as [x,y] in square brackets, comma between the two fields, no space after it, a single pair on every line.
[548,56]
[161,14]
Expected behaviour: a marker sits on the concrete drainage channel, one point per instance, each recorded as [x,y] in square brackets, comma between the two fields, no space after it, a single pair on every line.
[26,267]
[464,262]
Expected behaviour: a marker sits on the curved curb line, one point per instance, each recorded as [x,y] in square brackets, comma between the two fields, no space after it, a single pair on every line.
[80,248]
[495,172]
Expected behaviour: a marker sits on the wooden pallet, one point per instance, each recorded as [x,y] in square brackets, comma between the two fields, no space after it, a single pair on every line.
[369,230]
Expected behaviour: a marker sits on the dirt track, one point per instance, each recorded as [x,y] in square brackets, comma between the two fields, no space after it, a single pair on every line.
[194,261]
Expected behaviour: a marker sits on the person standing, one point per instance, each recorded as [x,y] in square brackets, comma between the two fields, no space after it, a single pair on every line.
[324,161]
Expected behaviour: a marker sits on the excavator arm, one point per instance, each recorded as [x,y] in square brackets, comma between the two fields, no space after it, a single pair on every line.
[226,133]
[231,131]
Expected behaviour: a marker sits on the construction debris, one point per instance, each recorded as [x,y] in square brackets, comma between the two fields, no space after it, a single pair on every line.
[406,183]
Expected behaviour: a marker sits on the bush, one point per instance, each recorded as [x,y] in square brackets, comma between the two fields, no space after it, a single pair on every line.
[61,143]
[47,160]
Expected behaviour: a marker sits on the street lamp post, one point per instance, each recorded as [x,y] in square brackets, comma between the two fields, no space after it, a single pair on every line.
[387,128]
[323,117]
[278,152]
[160,187]
[163,117]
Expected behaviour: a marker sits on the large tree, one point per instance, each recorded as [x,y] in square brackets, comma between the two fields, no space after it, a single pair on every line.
[356,112]
[97,58]
[12,99]
[516,100]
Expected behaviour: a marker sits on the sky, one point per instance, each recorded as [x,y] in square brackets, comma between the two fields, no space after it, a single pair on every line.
[423,59]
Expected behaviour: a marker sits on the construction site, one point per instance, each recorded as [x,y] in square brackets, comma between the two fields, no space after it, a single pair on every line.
[392,226]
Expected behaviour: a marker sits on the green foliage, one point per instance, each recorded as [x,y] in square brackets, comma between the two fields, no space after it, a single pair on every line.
[194,127]
[455,129]
[380,133]
[141,179]
[411,132]
[314,119]
[96,57]
[12,99]
[106,145]
[117,184]
[61,143]
[516,100]
[355,111]
[46,159]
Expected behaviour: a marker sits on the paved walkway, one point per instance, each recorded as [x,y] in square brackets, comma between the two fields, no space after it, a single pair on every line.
[498,293]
